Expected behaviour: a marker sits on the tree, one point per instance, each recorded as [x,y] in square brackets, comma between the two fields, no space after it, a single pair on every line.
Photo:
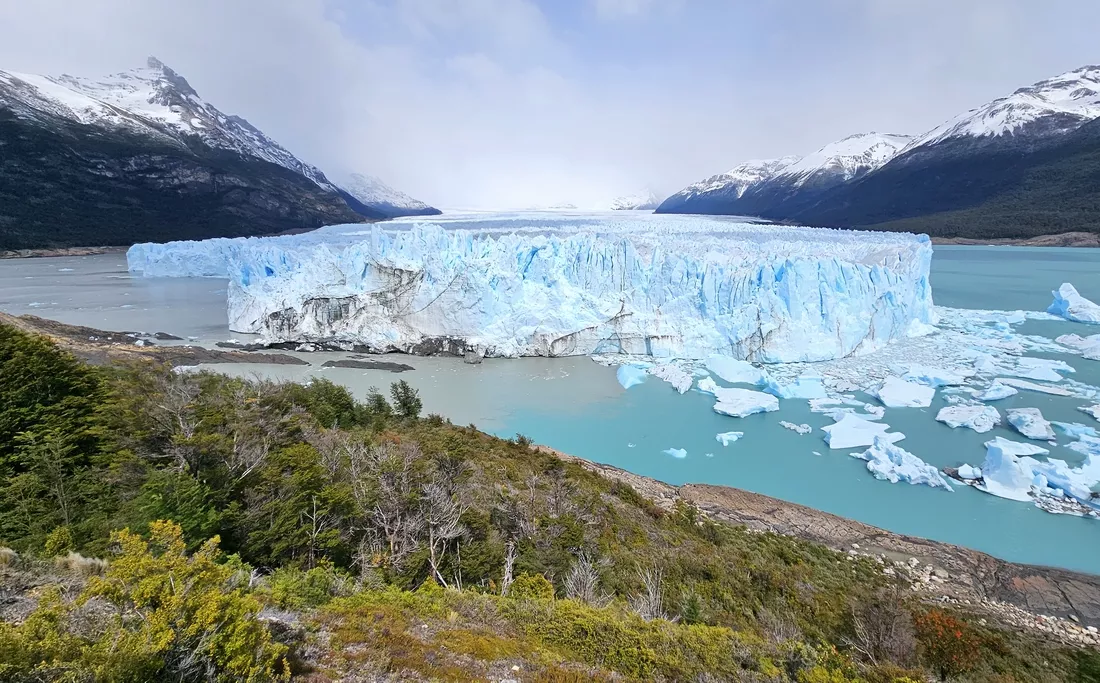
[948,645]
[406,399]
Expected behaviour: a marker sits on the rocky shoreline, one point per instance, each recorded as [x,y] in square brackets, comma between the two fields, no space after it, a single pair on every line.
[60,251]
[1064,239]
[1056,603]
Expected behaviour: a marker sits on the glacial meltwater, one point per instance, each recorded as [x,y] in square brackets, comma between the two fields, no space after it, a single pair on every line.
[577,405]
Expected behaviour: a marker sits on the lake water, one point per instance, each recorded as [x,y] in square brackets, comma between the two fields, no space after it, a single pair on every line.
[577,406]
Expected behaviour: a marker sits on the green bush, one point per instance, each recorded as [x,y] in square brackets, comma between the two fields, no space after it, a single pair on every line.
[292,588]
[531,587]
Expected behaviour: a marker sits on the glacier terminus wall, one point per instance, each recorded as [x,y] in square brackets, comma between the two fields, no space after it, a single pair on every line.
[562,284]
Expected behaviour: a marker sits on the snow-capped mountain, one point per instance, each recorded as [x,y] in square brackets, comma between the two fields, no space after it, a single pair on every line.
[1051,107]
[156,101]
[753,187]
[643,200]
[165,156]
[1021,165]
[376,194]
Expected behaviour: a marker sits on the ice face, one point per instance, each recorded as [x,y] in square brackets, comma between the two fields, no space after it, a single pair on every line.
[893,463]
[666,286]
[1072,306]
[1031,423]
[979,418]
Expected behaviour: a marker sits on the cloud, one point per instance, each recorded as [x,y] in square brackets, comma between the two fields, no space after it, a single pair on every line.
[514,102]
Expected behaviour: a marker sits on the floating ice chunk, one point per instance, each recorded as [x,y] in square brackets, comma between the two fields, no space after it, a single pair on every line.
[893,463]
[64,270]
[709,455]
[1075,430]
[807,387]
[801,429]
[979,418]
[1072,306]
[680,379]
[816,452]
[996,392]
[1031,386]
[1043,369]
[678,453]
[851,431]
[935,377]
[1091,410]
[743,402]
[630,375]
[736,371]
[726,438]
[1088,347]
[1003,474]
[897,393]
[630,445]
[969,472]
[1031,423]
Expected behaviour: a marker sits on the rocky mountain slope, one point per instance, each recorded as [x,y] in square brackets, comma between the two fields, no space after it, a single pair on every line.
[1019,166]
[140,156]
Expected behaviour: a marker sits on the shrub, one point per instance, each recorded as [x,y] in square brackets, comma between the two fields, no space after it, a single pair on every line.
[191,619]
[531,587]
[948,645]
[293,588]
[406,400]
[59,541]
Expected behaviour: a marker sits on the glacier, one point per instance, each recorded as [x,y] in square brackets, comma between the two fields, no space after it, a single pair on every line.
[557,285]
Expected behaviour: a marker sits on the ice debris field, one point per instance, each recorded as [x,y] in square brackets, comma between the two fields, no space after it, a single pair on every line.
[751,315]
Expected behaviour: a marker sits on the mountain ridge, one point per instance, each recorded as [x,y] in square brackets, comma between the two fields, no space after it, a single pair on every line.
[978,163]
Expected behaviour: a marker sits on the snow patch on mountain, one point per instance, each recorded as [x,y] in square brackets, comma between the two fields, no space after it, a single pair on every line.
[377,194]
[1064,102]
[637,201]
[847,158]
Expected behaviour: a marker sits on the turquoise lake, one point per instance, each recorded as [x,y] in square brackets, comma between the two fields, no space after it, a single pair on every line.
[577,406]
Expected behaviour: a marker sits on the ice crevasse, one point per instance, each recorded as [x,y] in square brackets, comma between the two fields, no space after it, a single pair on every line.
[760,293]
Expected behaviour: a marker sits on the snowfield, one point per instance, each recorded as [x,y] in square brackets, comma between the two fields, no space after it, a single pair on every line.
[560,284]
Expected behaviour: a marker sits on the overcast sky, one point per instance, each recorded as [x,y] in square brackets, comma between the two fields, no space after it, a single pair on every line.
[511,103]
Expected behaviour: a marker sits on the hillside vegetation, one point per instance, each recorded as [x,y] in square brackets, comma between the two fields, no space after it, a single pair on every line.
[159,525]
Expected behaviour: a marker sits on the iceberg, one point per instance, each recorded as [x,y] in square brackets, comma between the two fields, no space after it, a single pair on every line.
[1042,369]
[1031,386]
[1069,304]
[726,438]
[996,392]
[851,431]
[935,377]
[979,418]
[661,286]
[1030,423]
[736,371]
[802,429]
[680,379]
[1075,430]
[1091,410]
[893,463]
[897,393]
[738,402]
[630,375]
[1088,347]
[1003,474]
[969,472]
[678,453]
[807,387]
[1009,471]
